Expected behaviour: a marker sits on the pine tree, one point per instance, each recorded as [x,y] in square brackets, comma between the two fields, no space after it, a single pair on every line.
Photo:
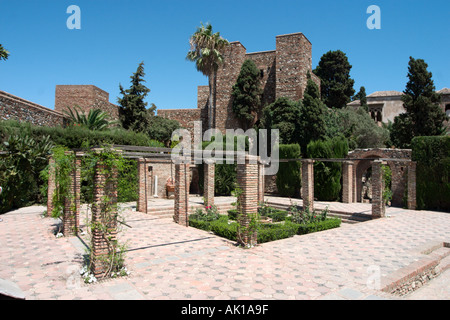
[132,108]
[247,94]
[312,118]
[424,116]
[336,84]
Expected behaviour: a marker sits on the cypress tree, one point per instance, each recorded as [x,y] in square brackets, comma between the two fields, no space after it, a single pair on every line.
[312,117]
[247,94]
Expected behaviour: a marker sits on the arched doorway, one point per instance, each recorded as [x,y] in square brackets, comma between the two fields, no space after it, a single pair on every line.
[395,159]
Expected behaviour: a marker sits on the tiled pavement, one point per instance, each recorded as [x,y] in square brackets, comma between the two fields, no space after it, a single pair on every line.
[168,261]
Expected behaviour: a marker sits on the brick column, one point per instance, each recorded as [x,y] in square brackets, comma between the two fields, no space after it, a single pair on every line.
[208,184]
[261,182]
[378,205]
[51,185]
[247,180]
[104,221]
[308,184]
[143,193]
[181,208]
[412,200]
[347,182]
[71,210]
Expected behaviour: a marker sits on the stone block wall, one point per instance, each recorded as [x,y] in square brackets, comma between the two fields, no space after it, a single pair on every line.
[15,108]
[186,117]
[86,97]
[283,73]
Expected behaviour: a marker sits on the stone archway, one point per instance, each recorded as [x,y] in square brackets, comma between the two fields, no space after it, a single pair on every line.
[397,159]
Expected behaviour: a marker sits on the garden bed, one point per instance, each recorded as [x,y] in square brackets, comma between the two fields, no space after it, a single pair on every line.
[274,225]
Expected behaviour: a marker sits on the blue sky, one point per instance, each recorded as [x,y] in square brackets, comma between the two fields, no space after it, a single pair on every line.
[116,35]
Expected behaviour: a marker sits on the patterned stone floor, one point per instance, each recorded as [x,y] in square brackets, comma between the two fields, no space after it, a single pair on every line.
[171,262]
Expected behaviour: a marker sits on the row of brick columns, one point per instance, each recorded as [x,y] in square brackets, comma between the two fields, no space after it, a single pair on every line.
[349,185]
[104,186]
[250,179]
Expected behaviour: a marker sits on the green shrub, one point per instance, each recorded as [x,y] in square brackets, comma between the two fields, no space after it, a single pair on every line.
[272,232]
[20,169]
[232,214]
[319,226]
[327,175]
[74,137]
[433,172]
[288,176]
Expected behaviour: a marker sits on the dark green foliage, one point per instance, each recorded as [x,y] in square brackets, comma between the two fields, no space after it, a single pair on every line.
[160,128]
[247,94]
[357,127]
[433,172]
[284,115]
[336,84]
[272,232]
[424,116]
[312,118]
[362,97]
[132,108]
[400,132]
[20,169]
[288,176]
[327,175]
[319,226]
[96,119]
[76,137]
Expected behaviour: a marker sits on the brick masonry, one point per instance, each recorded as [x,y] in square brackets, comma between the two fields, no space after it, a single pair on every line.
[347,182]
[396,159]
[308,184]
[103,186]
[412,195]
[87,97]
[378,203]
[51,186]
[182,174]
[71,210]
[247,180]
[155,179]
[209,176]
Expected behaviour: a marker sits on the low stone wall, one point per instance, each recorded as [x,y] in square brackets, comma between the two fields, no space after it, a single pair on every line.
[15,108]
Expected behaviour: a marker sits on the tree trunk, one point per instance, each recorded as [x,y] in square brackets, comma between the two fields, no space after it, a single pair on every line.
[210,103]
[214,97]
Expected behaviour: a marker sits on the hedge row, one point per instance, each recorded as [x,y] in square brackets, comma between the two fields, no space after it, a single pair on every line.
[267,232]
[75,137]
[432,155]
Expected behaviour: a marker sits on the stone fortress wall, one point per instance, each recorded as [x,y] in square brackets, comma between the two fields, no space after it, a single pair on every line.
[283,74]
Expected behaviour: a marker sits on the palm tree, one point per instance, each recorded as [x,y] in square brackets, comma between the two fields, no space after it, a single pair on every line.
[95,120]
[206,52]
[4,54]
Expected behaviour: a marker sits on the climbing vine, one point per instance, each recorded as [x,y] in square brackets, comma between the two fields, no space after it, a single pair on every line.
[253,222]
[64,165]
[106,163]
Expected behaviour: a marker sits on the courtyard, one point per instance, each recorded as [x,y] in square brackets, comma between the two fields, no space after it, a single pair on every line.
[167,261]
